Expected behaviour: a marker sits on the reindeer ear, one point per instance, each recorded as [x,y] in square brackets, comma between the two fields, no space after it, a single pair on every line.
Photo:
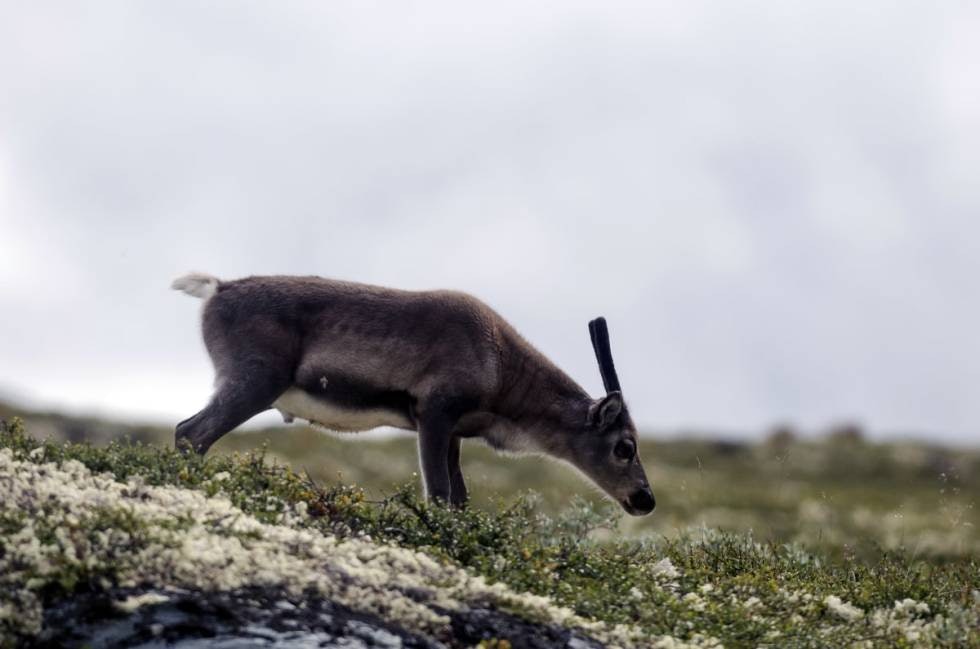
[604,412]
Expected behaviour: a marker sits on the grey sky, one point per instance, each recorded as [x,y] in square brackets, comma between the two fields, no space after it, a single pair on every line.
[775,204]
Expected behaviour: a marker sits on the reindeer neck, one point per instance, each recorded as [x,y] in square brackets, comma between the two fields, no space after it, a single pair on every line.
[533,392]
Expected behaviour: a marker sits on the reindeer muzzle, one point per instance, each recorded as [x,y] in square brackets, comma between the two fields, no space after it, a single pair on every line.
[640,502]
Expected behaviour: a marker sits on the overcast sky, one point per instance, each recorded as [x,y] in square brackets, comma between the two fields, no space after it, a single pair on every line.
[776,205]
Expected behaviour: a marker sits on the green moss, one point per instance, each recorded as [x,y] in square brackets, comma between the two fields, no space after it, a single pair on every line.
[562,556]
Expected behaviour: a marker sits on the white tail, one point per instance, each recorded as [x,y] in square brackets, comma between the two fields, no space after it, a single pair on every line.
[199,285]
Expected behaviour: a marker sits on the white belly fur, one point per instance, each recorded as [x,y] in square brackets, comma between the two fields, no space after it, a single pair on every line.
[511,440]
[297,403]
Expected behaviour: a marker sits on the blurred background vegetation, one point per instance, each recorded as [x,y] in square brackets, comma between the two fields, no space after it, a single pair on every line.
[838,493]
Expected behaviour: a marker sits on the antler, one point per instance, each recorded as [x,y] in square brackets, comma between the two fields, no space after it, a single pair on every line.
[603,354]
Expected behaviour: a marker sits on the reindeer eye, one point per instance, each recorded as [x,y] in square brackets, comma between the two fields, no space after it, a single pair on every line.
[625,449]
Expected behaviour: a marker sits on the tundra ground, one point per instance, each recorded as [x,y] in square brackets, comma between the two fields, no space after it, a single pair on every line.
[787,544]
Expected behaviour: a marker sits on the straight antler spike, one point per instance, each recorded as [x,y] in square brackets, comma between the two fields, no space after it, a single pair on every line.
[600,343]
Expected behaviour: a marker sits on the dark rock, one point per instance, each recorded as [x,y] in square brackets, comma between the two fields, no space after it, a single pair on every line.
[247,618]
[266,617]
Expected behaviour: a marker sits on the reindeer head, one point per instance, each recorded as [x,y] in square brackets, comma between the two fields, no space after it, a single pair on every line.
[607,451]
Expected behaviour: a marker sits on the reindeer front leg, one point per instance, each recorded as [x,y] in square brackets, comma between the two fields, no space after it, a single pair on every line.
[434,441]
[458,495]
[437,418]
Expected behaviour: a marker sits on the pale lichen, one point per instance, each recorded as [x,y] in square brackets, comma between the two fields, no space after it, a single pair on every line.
[168,537]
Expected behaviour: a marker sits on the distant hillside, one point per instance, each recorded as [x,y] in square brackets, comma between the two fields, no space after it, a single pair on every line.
[50,424]
[836,492]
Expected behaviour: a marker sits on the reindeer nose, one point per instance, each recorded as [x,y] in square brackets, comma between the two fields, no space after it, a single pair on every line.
[642,501]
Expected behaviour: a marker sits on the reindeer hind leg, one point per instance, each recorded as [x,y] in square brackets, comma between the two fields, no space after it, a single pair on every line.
[240,396]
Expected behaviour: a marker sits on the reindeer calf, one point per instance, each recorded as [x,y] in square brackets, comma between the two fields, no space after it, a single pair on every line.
[352,357]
